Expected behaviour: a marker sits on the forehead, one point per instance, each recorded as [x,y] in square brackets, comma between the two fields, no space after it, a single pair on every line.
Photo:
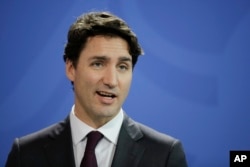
[106,46]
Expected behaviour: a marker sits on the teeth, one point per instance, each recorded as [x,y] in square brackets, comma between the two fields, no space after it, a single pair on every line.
[106,94]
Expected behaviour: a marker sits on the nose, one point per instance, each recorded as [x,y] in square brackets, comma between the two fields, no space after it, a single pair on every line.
[110,77]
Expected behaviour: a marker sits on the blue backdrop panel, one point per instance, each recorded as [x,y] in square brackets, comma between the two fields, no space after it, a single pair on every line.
[193,81]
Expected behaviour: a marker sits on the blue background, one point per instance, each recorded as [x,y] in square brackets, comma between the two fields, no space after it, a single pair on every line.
[193,81]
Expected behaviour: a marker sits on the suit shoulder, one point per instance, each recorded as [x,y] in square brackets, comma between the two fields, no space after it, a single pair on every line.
[44,134]
[163,145]
[155,136]
[139,131]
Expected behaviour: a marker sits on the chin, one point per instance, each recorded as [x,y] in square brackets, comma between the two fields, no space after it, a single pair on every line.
[109,112]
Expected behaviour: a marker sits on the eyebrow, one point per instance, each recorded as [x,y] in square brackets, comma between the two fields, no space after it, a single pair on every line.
[99,58]
[123,58]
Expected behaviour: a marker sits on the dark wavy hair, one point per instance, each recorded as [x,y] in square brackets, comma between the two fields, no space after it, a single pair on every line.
[99,23]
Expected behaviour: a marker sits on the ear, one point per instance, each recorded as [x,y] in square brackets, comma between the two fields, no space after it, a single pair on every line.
[70,70]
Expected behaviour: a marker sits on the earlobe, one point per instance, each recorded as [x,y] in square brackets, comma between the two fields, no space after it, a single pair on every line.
[70,70]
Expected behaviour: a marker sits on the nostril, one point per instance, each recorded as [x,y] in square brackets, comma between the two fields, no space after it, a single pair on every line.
[110,85]
[110,82]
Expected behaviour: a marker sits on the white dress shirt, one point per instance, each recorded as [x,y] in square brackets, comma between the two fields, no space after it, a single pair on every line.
[105,149]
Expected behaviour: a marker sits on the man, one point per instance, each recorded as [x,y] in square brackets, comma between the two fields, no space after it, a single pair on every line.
[100,55]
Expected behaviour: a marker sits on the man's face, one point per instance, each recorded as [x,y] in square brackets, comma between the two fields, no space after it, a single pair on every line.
[102,79]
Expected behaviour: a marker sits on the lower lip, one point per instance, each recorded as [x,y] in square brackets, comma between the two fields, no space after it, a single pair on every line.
[106,100]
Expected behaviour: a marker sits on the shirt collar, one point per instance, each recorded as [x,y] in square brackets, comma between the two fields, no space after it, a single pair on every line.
[110,130]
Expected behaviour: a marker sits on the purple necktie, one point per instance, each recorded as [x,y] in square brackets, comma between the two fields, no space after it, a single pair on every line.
[89,159]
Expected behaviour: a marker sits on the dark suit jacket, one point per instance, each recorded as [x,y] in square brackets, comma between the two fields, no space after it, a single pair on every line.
[138,146]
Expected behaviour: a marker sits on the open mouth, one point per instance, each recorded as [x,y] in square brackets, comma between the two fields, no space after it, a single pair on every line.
[106,94]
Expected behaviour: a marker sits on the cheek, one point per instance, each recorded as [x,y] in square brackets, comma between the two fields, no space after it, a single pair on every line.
[90,79]
[126,83]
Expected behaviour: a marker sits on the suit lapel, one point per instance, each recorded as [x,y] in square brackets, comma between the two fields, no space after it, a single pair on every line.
[59,150]
[128,151]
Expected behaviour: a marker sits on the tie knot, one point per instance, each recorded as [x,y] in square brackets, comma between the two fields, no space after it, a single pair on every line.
[93,138]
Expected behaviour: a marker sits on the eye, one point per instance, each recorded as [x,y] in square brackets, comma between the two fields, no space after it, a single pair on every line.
[97,64]
[123,67]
